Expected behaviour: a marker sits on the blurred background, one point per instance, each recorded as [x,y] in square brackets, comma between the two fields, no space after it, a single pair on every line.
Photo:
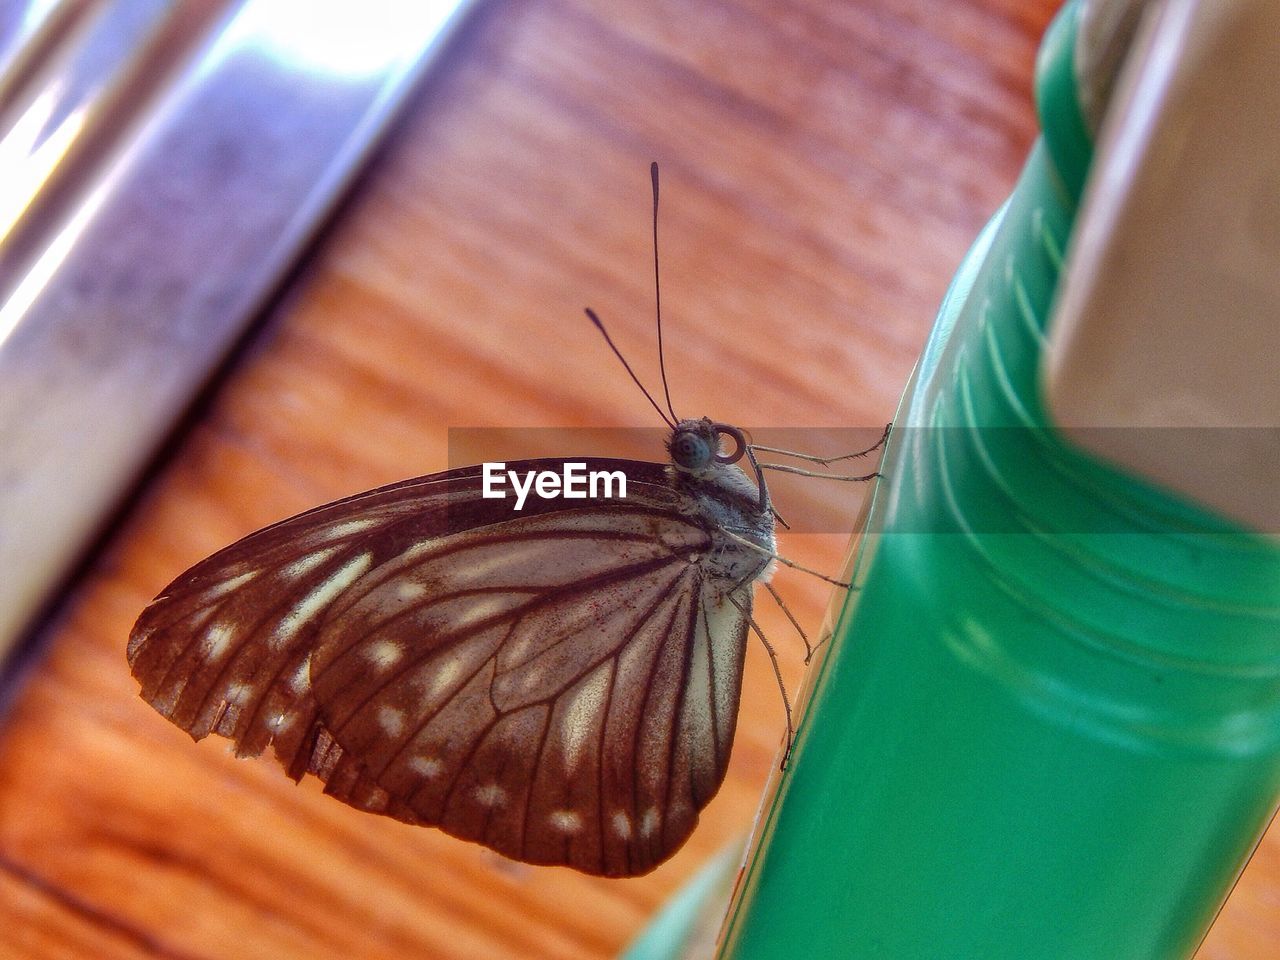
[825,167]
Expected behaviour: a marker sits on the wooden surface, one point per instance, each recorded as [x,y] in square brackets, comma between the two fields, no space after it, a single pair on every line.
[825,168]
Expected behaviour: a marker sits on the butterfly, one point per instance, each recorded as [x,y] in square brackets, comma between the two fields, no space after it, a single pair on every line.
[558,683]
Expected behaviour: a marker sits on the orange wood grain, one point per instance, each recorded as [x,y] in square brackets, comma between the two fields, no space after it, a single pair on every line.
[825,168]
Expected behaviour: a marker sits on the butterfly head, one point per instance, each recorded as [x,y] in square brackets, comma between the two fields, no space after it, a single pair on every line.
[696,445]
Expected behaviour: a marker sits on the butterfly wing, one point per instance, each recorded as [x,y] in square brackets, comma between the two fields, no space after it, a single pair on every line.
[559,684]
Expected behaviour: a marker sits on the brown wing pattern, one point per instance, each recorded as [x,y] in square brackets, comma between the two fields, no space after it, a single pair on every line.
[561,686]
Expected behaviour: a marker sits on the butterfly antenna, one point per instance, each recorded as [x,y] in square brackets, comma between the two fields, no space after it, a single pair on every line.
[591,314]
[657,292]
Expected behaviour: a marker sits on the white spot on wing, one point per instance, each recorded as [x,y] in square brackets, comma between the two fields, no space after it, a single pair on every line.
[304,565]
[410,590]
[442,678]
[490,795]
[383,654]
[391,720]
[427,766]
[219,590]
[566,821]
[584,712]
[321,596]
[217,640]
[649,822]
[349,528]
[239,693]
[622,825]
[300,682]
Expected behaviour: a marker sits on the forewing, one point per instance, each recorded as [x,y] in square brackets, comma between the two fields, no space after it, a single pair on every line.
[559,685]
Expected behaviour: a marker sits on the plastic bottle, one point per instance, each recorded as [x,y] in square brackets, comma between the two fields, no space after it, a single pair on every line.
[1048,727]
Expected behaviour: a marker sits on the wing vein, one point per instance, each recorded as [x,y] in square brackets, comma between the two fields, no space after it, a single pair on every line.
[712,712]
[422,725]
[533,783]
[690,637]
[600,749]
[518,613]
[229,661]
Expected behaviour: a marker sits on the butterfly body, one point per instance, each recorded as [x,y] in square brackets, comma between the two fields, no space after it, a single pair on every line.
[559,684]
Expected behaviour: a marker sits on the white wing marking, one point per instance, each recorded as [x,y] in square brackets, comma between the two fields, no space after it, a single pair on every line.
[220,590]
[320,597]
[304,565]
[722,618]
[585,713]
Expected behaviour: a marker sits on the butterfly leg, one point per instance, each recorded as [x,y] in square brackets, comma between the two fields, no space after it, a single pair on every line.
[777,598]
[826,461]
[777,673]
[777,516]
[798,471]
[764,551]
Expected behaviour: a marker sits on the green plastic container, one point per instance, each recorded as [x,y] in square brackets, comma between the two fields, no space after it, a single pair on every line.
[1048,727]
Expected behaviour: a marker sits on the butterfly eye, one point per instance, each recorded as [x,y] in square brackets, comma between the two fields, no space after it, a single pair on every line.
[690,451]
